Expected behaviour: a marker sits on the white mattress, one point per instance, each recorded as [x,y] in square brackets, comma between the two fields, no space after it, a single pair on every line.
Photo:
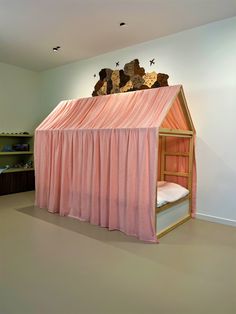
[168,192]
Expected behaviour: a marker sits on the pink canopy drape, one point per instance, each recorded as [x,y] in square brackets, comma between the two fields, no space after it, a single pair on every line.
[96,159]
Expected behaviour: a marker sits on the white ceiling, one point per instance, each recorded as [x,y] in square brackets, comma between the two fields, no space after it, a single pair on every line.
[29,29]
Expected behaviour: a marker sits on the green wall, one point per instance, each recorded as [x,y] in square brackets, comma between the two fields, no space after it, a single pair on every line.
[20,108]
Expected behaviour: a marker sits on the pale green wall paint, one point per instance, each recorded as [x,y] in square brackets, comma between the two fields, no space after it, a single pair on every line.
[203,61]
[20,108]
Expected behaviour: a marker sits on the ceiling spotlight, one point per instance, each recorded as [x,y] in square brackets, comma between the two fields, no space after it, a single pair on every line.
[56,49]
[122,24]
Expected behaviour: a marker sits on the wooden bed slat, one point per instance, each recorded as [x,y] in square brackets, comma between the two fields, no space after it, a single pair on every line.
[176,154]
[177,174]
[175,132]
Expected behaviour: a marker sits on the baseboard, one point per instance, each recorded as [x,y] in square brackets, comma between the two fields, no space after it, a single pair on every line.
[216,219]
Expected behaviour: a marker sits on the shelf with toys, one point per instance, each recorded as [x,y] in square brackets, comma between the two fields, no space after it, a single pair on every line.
[16,162]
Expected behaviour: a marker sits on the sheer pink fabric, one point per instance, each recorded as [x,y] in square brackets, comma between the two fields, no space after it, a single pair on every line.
[175,118]
[96,159]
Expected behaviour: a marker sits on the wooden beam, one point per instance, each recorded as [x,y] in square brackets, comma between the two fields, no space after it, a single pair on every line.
[163,160]
[175,132]
[185,109]
[168,205]
[177,154]
[177,174]
[170,228]
[190,169]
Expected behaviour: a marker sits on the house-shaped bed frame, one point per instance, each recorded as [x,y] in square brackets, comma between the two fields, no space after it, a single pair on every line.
[171,215]
[99,159]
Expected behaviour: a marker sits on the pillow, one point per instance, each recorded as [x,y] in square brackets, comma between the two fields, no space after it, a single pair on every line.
[168,192]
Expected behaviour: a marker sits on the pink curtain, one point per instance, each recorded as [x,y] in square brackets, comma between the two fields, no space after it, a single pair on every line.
[106,177]
[175,118]
[96,159]
[140,109]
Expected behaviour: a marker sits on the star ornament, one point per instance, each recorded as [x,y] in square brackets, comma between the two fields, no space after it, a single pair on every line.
[117,64]
[152,62]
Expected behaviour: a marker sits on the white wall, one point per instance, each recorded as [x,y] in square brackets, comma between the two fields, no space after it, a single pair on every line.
[203,60]
[19,99]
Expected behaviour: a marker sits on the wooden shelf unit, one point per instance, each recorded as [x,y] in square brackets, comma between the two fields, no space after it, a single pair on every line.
[16,135]
[16,179]
[12,170]
[16,153]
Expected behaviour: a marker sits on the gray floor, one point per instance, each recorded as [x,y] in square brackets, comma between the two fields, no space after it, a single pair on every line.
[51,264]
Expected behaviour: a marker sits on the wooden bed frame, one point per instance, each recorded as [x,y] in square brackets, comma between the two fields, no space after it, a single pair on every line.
[163,134]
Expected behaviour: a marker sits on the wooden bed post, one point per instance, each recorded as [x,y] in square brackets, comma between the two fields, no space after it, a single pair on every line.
[190,171]
[163,157]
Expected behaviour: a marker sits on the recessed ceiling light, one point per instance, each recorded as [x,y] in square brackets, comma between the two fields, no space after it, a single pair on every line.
[56,49]
[122,24]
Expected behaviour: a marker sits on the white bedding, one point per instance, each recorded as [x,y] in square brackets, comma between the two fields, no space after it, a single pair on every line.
[168,192]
